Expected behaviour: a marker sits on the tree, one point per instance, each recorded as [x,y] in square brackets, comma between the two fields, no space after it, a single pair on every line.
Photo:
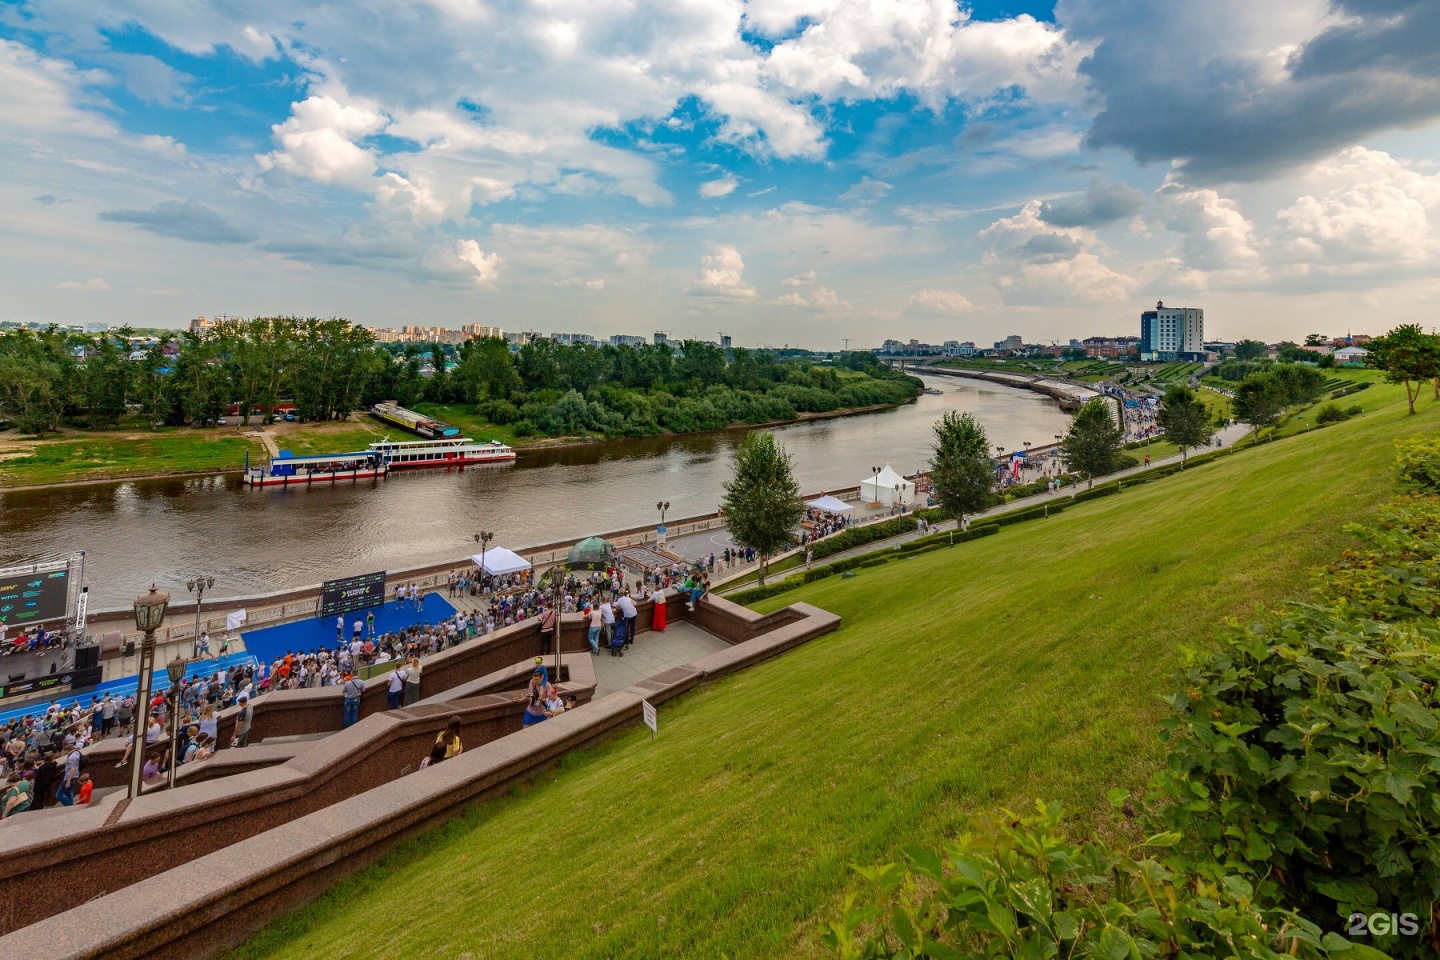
[1315,340]
[1185,421]
[1250,350]
[961,468]
[1259,400]
[1407,353]
[762,500]
[1093,444]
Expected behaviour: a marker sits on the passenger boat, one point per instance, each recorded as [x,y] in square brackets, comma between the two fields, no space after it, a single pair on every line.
[455,452]
[285,469]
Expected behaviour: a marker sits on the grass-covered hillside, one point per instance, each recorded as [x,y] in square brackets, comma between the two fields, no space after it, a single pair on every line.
[1020,666]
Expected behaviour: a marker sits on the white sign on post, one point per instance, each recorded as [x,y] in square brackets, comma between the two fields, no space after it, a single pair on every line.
[648,709]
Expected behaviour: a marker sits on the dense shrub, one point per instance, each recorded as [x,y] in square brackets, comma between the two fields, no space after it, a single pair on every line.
[1331,413]
[1020,887]
[1302,753]
[1417,467]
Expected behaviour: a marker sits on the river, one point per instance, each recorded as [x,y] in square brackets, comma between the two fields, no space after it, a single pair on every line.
[257,541]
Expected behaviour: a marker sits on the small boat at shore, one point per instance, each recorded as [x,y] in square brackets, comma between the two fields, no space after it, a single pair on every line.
[287,470]
[934,392]
[450,452]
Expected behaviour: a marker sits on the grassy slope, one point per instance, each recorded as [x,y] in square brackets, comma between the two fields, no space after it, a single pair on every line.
[1020,666]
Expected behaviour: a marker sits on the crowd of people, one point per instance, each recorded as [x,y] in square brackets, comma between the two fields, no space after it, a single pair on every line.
[43,754]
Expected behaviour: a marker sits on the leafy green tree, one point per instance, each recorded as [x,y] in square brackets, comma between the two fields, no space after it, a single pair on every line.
[1315,340]
[28,397]
[960,468]
[486,370]
[1093,444]
[1259,401]
[202,385]
[1300,383]
[152,385]
[1407,353]
[106,381]
[1250,350]
[1185,421]
[762,500]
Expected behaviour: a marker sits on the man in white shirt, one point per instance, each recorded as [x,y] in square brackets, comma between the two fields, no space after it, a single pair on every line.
[607,621]
[628,611]
[395,693]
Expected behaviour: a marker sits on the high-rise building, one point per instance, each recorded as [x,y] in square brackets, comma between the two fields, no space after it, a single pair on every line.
[625,340]
[1172,333]
[724,341]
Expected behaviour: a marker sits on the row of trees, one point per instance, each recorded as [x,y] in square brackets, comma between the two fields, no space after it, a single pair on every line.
[330,367]
[327,367]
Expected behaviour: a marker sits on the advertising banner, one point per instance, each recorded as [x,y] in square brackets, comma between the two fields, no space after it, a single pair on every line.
[29,598]
[352,593]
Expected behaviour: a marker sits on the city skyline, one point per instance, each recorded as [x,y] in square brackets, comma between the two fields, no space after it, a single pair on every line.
[806,171]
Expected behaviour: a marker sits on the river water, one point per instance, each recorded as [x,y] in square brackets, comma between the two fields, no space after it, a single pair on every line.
[256,541]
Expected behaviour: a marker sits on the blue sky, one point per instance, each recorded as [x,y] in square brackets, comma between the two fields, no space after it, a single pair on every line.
[786,171]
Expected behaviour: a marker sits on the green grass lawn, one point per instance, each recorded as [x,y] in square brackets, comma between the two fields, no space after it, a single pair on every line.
[471,424]
[102,456]
[1020,666]
[301,439]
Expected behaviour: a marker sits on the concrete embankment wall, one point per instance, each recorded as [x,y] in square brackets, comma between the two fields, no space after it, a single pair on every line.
[1070,396]
[300,602]
[213,899]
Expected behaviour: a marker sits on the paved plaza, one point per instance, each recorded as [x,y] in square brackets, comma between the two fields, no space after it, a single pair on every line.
[651,653]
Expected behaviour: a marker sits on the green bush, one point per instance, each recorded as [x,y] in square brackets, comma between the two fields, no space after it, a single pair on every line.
[1302,753]
[1019,887]
[1418,465]
[1331,413]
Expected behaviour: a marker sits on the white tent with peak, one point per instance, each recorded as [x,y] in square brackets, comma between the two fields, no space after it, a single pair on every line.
[887,487]
[497,561]
[829,504]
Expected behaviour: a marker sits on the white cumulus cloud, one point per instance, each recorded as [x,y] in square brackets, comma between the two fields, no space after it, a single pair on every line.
[722,274]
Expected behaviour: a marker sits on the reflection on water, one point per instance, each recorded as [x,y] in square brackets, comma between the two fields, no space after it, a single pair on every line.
[260,540]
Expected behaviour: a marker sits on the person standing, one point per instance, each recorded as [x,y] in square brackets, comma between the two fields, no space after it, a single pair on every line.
[657,615]
[340,629]
[547,629]
[70,781]
[630,614]
[370,624]
[242,721]
[395,693]
[593,612]
[352,691]
[607,621]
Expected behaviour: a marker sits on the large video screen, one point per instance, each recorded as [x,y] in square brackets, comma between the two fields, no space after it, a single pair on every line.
[352,593]
[27,598]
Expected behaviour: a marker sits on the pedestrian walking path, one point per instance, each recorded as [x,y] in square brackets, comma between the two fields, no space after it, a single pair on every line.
[651,653]
[1228,436]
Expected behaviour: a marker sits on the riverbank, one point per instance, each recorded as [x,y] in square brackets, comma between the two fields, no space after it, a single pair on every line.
[359,430]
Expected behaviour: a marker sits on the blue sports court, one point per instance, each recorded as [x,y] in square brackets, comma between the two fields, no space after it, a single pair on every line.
[270,643]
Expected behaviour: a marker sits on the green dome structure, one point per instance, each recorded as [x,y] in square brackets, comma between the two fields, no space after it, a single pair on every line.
[592,553]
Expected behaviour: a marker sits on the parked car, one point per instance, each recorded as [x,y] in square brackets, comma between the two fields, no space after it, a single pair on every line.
[289,418]
[220,422]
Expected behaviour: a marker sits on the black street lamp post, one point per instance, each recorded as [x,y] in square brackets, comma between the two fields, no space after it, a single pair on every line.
[149,614]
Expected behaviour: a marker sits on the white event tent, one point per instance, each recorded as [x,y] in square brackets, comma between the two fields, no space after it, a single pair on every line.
[888,487]
[830,504]
[497,561]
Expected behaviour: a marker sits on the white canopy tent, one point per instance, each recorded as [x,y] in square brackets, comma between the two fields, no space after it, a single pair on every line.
[829,504]
[497,561]
[888,487]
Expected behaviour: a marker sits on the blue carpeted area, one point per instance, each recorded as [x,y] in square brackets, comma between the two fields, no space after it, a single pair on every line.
[271,643]
[126,686]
